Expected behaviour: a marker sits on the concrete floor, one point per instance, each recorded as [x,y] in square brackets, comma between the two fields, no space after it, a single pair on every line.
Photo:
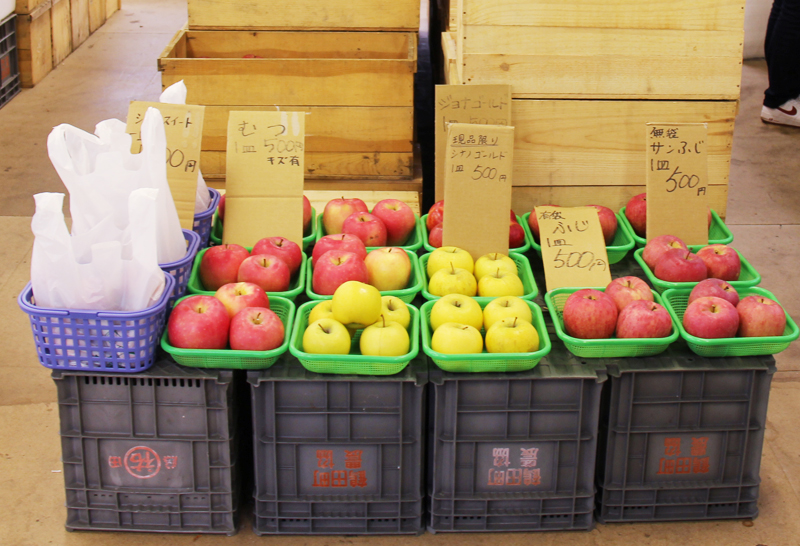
[118,64]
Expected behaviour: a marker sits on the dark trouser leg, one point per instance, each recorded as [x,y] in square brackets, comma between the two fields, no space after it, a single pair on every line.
[782,49]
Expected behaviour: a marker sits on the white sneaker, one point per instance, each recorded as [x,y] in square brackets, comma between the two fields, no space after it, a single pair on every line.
[785,114]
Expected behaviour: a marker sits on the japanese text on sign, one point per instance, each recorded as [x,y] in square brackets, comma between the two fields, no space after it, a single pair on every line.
[326,475]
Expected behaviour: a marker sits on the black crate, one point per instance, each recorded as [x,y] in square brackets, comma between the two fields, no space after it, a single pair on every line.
[338,454]
[515,451]
[9,67]
[155,451]
[682,437]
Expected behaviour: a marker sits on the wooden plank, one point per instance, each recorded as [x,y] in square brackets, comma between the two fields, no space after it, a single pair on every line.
[26,7]
[319,198]
[61,28]
[112,6]
[306,14]
[34,47]
[79,19]
[97,14]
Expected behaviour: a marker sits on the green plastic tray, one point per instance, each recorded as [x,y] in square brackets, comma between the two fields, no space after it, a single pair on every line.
[618,249]
[423,226]
[523,269]
[486,362]
[747,277]
[308,240]
[296,285]
[604,348]
[406,294]
[355,362]
[718,233]
[676,303]
[236,360]
[413,244]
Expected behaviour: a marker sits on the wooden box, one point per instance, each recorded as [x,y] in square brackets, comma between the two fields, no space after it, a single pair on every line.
[358,88]
[34,43]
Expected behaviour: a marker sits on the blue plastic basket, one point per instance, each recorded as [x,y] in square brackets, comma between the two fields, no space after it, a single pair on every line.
[182,269]
[99,341]
[203,220]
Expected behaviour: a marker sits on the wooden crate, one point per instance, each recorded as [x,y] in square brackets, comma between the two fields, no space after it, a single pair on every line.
[305,15]
[97,14]
[358,88]
[79,12]
[61,30]
[660,49]
[34,44]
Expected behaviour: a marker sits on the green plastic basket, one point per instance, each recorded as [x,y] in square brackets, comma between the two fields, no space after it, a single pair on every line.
[407,294]
[355,362]
[308,240]
[603,348]
[523,269]
[413,244]
[485,362]
[236,360]
[296,285]
[676,303]
[423,226]
[718,233]
[748,276]
[616,251]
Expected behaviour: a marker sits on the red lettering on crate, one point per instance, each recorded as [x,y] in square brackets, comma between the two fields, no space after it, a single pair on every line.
[683,465]
[497,477]
[324,458]
[700,465]
[514,476]
[527,457]
[358,478]
[142,462]
[115,462]
[501,456]
[340,478]
[352,459]
[699,446]
[666,466]
[321,479]
[672,447]
[526,475]
[170,462]
[531,476]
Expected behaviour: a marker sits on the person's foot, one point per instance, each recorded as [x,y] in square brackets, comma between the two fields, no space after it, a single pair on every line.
[785,114]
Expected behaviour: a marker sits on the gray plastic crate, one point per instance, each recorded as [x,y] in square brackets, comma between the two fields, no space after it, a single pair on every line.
[515,451]
[9,67]
[682,437]
[338,454]
[155,451]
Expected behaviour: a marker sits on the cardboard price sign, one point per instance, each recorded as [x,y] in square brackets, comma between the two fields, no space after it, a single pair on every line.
[677,181]
[476,104]
[478,165]
[264,179]
[573,248]
[184,128]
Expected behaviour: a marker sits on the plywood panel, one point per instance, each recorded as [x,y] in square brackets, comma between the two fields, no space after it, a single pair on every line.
[61,28]
[97,14]
[34,46]
[79,19]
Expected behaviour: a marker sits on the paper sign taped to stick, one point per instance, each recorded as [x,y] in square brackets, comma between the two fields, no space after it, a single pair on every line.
[677,181]
[264,179]
[476,104]
[184,128]
[479,160]
[573,248]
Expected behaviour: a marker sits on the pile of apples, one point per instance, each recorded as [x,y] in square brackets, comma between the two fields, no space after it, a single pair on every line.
[391,221]
[636,213]
[457,320]
[670,259]
[627,308]
[237,314]
[608,222]
[306,213]
[434,223]
[355,305]
[715,311]
[451,270]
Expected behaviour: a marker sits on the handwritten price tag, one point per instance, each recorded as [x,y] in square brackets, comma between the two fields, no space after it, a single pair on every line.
[573,248]
[677,181]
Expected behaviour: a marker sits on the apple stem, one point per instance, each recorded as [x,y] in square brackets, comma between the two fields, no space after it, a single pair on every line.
[497,274]
[514,324]
[452,268]
[321,327]
[383,318]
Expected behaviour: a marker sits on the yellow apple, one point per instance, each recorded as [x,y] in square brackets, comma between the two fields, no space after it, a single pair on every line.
[506,306]
[456,308]
[442,258]
[453,338]
[489,263]
[323,309]
[384,339]
[326,337]
[356,304]
[500,283]
[395,310]
[512,335]
[452,280]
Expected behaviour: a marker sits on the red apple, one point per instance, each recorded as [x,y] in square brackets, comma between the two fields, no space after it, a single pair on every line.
[625,290]
[722,262]
[256,329]
[514,216]
[435,236]
[644,319]
[221,208]
[336,267]
[306,215]
[636,213]
[343,241]
[199,322]
[590,314]
[760,317]
[717,288]
[435,214]
[236,296]
[608,222]
[711,318]
[678,265]
[367,227]
[533,222]
[516,235]
[220,265]
[282,248]
[337,210]
[269,272]
[657,246]
[398,218]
